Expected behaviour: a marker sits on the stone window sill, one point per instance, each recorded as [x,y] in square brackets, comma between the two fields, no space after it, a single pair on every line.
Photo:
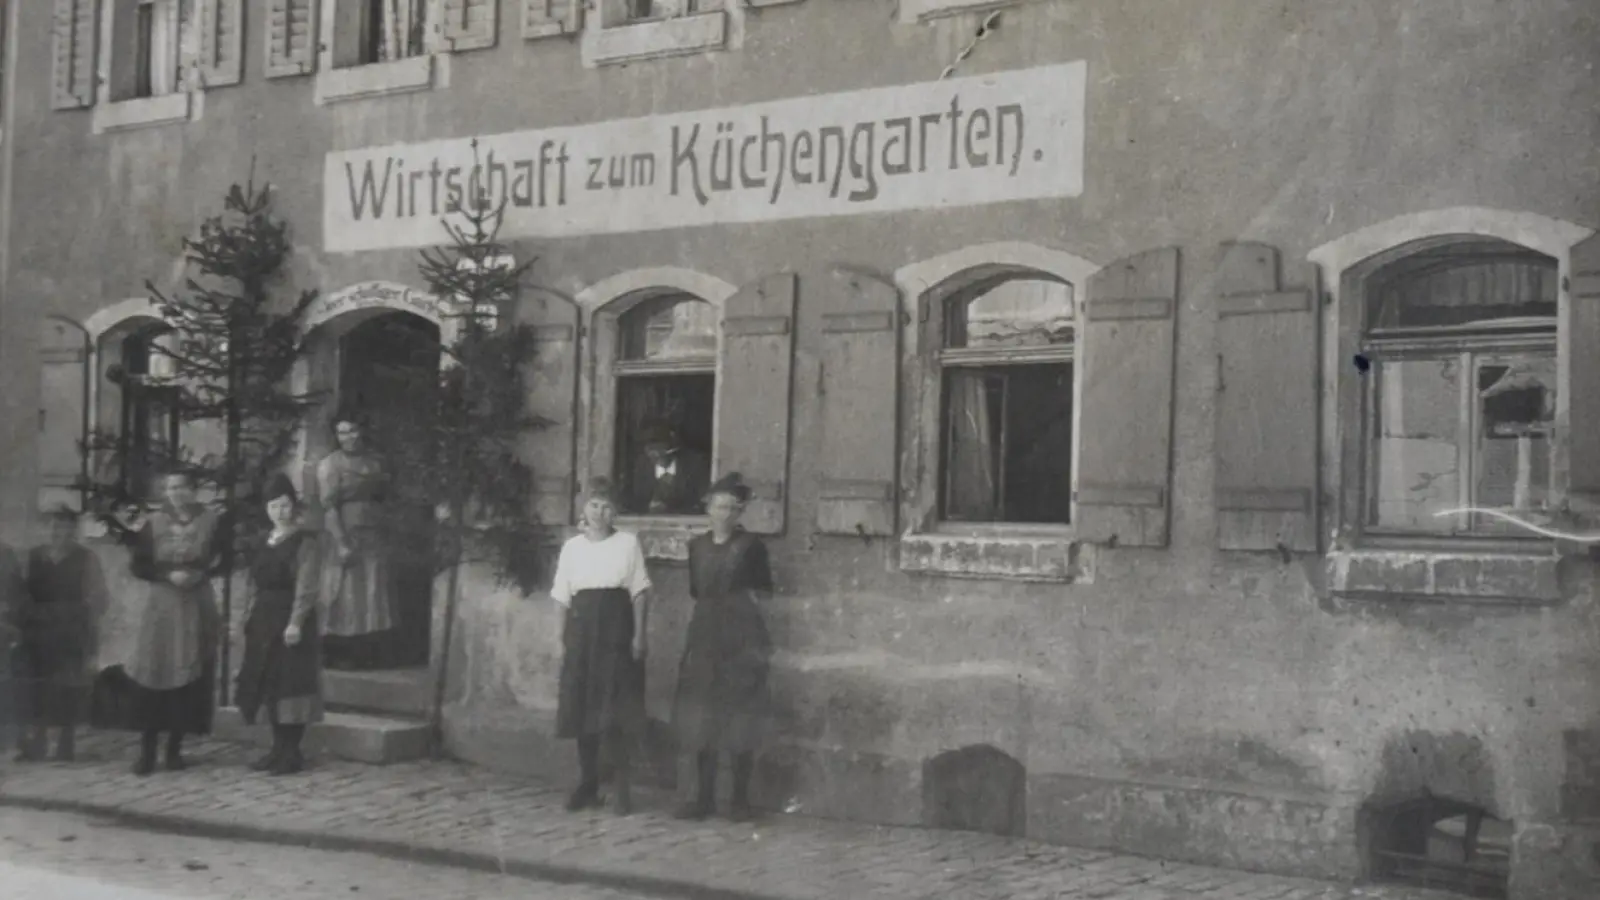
[145,112]
[914,11]
[400,76]
[657,39]
[998,554]
[665,538]
[1488,578]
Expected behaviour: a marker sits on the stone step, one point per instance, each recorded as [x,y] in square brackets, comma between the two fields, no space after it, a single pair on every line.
[379,740]
[398,692]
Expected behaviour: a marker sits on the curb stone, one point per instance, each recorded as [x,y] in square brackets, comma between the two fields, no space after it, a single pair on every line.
[401,851]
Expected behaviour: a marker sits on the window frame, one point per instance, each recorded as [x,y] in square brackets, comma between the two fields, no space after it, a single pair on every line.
[928,382]
[1358,567]
[992,552]
[183,103]
[601,307]
[121,323]
[1351,413]
[938,313]
[409,74]
[1471,350]
[612,36]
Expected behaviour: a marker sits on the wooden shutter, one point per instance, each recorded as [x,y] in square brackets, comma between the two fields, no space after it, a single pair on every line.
[291,37]
[471,24]
[753,420]
[221,42]
[1266,405]
[1125,466]
[1583,360]
[550,18]
[63,409]
[860,387]
[73,32]
[553,396]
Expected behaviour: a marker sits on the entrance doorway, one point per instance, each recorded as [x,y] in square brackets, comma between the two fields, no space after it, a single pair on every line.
[383,366]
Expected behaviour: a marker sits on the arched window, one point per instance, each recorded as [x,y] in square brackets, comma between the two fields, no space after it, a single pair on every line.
[665,369]
[1006,348]
[1459,351]
[138,420]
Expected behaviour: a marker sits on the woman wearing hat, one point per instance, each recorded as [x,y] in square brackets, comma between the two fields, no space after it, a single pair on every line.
[281,673]
[60,606]
[603,585]
[722,678]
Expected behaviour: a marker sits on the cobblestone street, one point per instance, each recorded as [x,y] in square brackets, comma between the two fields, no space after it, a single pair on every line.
[469,818]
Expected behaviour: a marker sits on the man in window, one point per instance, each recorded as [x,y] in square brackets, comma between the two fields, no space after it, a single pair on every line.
[674,477]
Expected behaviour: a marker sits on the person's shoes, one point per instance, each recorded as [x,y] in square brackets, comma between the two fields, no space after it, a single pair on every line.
[266,762]
[289,764]
[621,799]
[66,746]
[144,765]
[741,811]
[175,762]
[585,797]
[693,811]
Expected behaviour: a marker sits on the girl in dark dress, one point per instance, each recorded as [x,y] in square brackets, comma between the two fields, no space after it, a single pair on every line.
[61,605]
[282,671]
[722,680]
[603,585]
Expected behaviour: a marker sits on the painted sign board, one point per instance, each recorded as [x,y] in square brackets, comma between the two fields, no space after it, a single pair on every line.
[958,142]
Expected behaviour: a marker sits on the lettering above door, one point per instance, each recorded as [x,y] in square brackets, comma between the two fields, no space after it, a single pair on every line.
[959,142]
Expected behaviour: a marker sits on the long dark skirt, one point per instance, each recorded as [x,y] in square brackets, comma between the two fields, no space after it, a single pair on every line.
[50,680]
[273,672]
[722,700]
[602,685]
[120,703]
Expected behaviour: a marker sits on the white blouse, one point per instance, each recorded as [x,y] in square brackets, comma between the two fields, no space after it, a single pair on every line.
[585,565]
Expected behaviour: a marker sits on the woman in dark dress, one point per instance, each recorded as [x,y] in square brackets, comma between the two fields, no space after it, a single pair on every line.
[603,585]
[165,684]
[282,671]
[722,680]
[61,605]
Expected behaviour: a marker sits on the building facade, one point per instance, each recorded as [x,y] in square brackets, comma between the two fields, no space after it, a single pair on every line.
[1109,373]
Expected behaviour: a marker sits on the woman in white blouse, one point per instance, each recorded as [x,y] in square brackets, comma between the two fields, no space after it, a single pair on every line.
[602,583]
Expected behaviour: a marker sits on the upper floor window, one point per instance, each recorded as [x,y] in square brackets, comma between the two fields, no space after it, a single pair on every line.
[666,9]
[145,50]
[1006,371]
[374,31]
[665,372]
[1459,347]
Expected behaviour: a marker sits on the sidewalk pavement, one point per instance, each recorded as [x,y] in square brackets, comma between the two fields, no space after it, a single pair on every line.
[454,814]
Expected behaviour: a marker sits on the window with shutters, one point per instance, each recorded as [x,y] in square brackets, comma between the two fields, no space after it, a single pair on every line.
[145,77]
[379,47]
[1458,353]
[665,377]
[633,30]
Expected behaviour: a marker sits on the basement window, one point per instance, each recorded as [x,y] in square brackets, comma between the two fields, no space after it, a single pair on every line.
[1443,844]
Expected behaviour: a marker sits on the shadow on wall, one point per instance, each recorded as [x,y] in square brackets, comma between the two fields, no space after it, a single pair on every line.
[975,788]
